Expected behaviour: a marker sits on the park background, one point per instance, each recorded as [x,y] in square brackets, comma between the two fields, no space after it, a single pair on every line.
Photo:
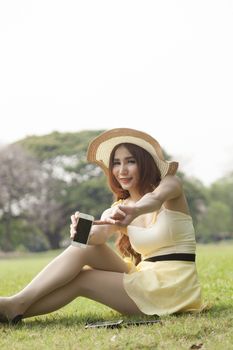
[163,67]
[45,179]
[70,69]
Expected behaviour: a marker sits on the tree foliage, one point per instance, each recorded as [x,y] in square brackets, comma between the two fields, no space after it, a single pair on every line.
[45,179]
[18,181]
[59,144]
[217,220]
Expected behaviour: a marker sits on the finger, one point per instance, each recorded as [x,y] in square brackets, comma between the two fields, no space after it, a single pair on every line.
[72,234]
[121,212]
[120,223]
[72,231]
[99,222]
[104,222]
[125,209]
[118,216]
[73,219]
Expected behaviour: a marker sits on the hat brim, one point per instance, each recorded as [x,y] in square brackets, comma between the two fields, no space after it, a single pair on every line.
[100,148]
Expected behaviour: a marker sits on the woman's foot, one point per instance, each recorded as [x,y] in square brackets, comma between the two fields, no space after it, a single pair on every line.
[8,313]
[15,320]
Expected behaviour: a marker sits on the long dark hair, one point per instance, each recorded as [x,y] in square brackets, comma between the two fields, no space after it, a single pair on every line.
[150,178]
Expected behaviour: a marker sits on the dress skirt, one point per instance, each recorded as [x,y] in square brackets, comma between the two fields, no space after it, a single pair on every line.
[164,287]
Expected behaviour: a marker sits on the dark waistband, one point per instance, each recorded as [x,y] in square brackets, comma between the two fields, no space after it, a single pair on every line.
[174,256]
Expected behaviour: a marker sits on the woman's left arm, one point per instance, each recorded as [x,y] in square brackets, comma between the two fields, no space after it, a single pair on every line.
[169,188]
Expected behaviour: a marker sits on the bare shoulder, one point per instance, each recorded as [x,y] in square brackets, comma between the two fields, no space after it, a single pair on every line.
[170,188]
[177,202]
[172,180]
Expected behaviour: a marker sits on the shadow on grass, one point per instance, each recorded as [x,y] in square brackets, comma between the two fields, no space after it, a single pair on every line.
[214,312]
[217,311]
[70,321]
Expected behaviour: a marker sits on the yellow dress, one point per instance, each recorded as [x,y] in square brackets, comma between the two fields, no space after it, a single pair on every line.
[164,287]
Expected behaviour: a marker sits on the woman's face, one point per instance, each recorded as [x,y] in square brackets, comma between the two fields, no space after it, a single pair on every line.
[125,169]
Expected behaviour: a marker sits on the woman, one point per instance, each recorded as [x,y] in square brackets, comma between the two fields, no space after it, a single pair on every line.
[156,273]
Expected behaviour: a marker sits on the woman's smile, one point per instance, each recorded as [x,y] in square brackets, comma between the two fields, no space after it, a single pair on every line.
[125,182]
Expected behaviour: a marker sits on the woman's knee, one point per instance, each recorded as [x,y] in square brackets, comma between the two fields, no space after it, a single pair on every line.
[86,280]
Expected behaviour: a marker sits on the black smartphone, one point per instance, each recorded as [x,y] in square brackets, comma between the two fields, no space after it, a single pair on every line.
[104,324]
[83,229]
[142,322]
[120,323]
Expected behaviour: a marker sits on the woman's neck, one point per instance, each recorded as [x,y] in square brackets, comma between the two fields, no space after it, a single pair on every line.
[134,196]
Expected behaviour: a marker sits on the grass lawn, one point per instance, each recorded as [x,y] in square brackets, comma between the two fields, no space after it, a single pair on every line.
[65,329]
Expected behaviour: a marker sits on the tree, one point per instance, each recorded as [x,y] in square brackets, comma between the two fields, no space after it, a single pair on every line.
[196,196]
[215,224]
[56,144]
[64,171]
[45,210]
[18,180]
[45,179]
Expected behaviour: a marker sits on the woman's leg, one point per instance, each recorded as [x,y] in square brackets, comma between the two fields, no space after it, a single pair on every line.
[105,287]
[59,272]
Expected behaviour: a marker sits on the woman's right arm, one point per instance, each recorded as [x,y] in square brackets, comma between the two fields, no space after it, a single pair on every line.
[100,233]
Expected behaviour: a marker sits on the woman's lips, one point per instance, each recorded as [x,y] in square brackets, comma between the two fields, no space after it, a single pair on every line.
[125,180]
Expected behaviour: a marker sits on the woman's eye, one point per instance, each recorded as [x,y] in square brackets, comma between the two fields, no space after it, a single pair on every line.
[116,163]
[128,161]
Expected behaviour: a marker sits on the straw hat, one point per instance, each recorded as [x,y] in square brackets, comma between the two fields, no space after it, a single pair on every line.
[100,148]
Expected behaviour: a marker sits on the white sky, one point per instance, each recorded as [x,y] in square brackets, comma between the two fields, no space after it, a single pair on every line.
[164,67]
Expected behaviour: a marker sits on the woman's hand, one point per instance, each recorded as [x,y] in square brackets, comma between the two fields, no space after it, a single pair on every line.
[120,215]
[73,225]
[99,234]
[110,216]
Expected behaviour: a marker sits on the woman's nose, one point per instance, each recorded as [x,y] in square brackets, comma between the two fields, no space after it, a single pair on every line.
[123,169]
